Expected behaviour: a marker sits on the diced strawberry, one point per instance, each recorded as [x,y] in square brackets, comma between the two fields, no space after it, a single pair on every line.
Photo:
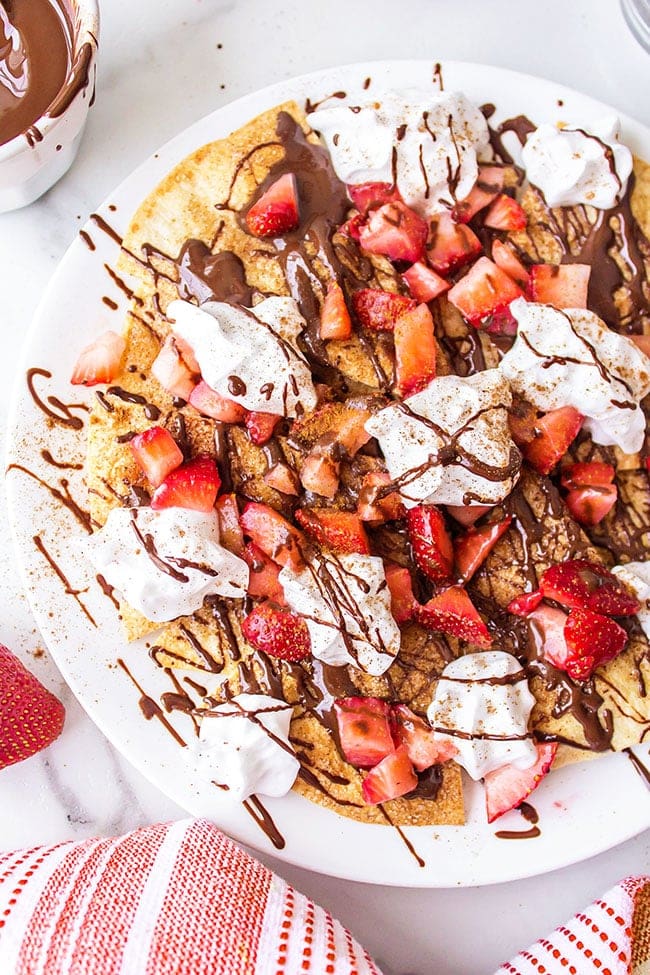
[591,473]
[352,226]
[374,506]
[423,282]
[505,258]
[277,537]
[156,453]
[432,547]
[276,212]
[31,717]
[335,322]
[263,579]
[592,640]
[194,485]
[466,514]
[418,738]
[483,297]
[319,473]
[508,786]
[351,433]
[367,196]
[415,351]
[579,584]
[589,505]
[560,285]
[276,631]
[100,361]
[340,531]
[642,342]
[395,231]
[175,367]
[379,310]
[260,426]
[548,625]
[210,403]
[231,535]
[556,432]
[488,185]
[522,420]
[451,244]
[402,600]
[281,478]
[473,547]
[393,777]
[452,611]
[364,730]
[525,604]
[505,214]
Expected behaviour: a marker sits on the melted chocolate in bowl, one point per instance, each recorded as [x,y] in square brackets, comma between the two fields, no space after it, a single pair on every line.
[35,60]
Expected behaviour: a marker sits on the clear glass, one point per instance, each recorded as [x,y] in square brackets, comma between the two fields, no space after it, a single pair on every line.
[637,15]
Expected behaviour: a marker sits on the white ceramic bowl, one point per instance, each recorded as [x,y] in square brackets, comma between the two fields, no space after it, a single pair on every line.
[33,161]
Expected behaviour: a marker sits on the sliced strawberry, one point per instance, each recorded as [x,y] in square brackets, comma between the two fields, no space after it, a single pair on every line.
[452,611]
[277,537]
[374,506]
[592,473]
[451,244]
[260,426]
[402,600]
[319,473]
[560,285]
[488,186]
[505,258]
[231,535]
[210,403]
[423,282]
[508,786]
[549,623]
[483,297]
[415,351]
[473,547]
[379,310]
[525,604]
[351,434]
[156,453]
[589,505]
[276,631]
[281,478]
[276,212]
[100,361]
[432,547]
[556,432]
[194,485]
[367,196]
[395,231]
[393,777]
[579,584]
[352,226]
[505,214]
[175,367]
[340,531]
[263,579]
[364,730]
[335,321]
[642,342]
[466,514]
[419,740]
[592,640]
[31,718]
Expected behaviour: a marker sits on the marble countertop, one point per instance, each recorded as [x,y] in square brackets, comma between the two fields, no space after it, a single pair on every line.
[164,64]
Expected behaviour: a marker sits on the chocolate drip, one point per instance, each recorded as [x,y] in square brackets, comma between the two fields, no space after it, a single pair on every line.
[150,708]
[60,413]
[150,410]
[63,496]
[258,811]
[211,277]
[69,591]
[638,765]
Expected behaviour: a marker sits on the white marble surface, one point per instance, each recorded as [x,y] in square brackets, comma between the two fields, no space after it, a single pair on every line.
[165,63]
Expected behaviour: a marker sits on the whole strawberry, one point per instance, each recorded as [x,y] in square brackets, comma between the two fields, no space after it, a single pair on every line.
[31,718]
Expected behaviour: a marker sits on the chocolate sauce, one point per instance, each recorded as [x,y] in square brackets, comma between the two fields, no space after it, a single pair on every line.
[150,410]
[69,591]
[59,413]
[258,811]
[642,769]
[107,589]
[150,708]
[60,464]
[60,494]
[211,277]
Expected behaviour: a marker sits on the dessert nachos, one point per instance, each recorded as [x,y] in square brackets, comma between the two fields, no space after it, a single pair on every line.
[371,455]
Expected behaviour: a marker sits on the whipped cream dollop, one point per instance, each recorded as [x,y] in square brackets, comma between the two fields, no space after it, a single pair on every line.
[427,141]
[164,563]
[244,746]
[636,576]
[574,165]
[571,358]
[249,355]
[346,603]
[483,701]
[450,443]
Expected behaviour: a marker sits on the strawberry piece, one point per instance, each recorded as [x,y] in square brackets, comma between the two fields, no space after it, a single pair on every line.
[483,297]
[548,624]
[591,640]
[276,212]
[210,403]
[260,426]
[194,485]
[418,738]
[560,285]
[591,473]
[175,367]
[579,584]
[335,321]
[374,506]
[231,535]
[642,342]
[522,420]
[100,361]
[281,478]
[473,547]
[31,718]
[367,196]
[395,231]
[589,505]
[156,453]
[466,514]
[263,579]
[556,432]
[379,310]
[505,214]
[423,282]
[277,632]
[402,600]
[525,604]
[277,537]
[451,245]
[340,531]
[352,227]
[415,351]
[488,186]
[432,547]
[351,434]
[393,777]
[364,731]
[452,611]
[508,786]
[505,258]
[319,473]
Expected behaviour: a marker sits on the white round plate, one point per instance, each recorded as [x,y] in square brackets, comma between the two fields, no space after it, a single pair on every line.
[583,809]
